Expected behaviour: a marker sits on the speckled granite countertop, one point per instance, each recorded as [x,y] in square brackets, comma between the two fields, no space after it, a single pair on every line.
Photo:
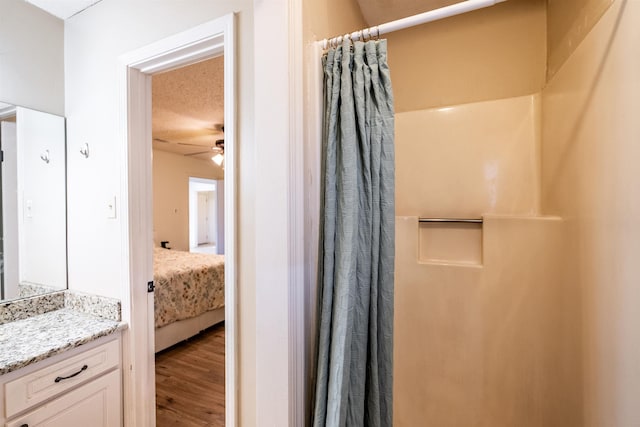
[35,338]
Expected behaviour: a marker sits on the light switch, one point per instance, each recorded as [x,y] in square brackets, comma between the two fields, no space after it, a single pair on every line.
[111,208]
[28,207]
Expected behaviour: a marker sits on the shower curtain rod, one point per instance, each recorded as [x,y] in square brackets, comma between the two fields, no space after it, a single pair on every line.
[411,21]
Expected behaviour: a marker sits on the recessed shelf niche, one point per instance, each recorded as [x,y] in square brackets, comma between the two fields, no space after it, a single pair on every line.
[450,243]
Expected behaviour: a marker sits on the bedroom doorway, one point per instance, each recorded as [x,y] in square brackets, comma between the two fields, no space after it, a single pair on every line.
[187,127]
[211,40]
[205,202]
[206,215]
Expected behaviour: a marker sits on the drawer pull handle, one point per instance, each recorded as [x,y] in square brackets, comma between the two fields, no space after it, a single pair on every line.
[24,425]
[84,368]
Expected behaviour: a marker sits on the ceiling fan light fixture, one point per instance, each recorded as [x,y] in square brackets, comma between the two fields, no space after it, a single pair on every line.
[218,159]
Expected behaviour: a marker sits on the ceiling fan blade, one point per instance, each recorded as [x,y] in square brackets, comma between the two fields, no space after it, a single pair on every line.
[192,145]
[195,154]
[164,141]
[212,150]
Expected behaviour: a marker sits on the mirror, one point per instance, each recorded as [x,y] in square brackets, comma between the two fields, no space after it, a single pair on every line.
[33,229]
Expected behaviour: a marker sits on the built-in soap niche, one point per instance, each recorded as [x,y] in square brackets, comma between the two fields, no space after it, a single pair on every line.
[453,242]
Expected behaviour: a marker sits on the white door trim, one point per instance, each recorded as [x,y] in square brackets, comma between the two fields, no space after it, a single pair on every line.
[298,367]
[279,220]
[207,40]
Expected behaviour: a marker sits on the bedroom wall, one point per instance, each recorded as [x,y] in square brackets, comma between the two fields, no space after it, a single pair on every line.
[31,57]
[590,175]
[94,40]
[171,174]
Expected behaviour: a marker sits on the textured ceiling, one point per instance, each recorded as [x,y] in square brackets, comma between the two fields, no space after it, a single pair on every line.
[187,108]
[376,12]
[63,9]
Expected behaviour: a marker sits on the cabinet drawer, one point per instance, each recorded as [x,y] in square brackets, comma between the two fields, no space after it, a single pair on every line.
[95,404]
[45,383]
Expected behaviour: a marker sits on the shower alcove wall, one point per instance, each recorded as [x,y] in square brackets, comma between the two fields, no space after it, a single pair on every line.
[483,323]
[477,305]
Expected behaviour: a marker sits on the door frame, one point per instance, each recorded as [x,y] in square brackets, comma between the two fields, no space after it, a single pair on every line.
[208,40]
[212,229]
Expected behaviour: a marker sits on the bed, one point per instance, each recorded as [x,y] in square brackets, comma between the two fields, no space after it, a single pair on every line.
[189,294]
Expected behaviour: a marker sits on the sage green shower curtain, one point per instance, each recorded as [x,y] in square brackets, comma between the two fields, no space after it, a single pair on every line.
[354,373]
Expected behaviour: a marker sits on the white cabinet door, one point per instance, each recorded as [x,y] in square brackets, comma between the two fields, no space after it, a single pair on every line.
[96,404]
[32,389]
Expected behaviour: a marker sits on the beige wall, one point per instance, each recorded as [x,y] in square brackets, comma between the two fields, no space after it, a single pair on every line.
[31,57]
[496,344]
[321,20]
[380,11]
[497,52]
[467,160]
[590,176]
[482,336]
[568,22]
[171,174]
[478,345]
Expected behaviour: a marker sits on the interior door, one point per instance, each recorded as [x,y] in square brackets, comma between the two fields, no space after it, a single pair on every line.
[203,217]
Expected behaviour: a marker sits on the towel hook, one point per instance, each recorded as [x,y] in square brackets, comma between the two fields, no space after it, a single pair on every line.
[84,150]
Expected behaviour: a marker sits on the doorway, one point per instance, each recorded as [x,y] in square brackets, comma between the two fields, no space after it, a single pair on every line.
[206,215]
[188,135]
[208,40]
[205,201]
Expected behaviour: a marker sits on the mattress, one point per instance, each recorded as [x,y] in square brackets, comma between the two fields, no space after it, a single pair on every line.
[187,284]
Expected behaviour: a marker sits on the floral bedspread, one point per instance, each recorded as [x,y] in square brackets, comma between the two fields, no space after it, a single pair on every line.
[187,284]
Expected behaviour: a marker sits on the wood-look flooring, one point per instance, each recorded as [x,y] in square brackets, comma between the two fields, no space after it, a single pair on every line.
[190,381]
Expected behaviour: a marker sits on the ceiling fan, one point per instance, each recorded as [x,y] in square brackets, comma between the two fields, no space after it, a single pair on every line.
[217,149]
[218,158]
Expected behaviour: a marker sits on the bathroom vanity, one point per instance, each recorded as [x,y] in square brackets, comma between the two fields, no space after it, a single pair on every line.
[61,367]
[60,351]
